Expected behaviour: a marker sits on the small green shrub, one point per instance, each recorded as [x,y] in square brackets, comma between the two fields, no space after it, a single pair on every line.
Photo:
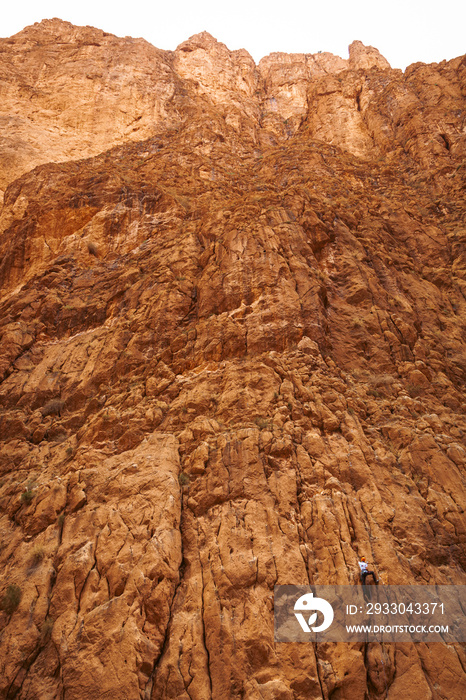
[262,423]
[183,479]
[373,392]
[37,554]
[10,600]
[46,628]
[27,495]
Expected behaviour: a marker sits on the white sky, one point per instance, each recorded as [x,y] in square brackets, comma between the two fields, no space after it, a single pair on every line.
[404,31]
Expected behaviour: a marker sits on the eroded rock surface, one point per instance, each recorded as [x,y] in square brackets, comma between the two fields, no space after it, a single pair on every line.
[232,356]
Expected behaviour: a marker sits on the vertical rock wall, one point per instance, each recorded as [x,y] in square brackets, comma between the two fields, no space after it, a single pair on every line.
[232,356]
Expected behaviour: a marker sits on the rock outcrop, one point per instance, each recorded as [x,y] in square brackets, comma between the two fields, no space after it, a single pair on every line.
[232,311]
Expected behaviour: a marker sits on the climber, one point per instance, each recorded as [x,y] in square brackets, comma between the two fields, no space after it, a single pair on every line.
[365,572]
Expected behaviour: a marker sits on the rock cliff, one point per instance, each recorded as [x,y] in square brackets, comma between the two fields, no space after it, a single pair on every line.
[232,355]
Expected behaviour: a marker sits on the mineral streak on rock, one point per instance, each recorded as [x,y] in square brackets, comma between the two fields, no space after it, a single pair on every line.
[232,355]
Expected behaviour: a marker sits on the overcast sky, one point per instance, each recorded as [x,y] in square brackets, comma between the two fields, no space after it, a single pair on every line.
[404,31]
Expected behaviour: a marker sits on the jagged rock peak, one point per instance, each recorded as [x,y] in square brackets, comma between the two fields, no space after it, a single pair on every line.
[206,42]
[55,29]
[360,55]
[203,40]
[365,57]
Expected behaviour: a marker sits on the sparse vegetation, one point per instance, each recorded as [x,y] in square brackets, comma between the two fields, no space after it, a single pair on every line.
[414,391]
[53,407]
[379,385]
[11,598]
[37,554]
[262,423]
[92,249]
[28,493]
[183,479]
[46,629]
[378,380]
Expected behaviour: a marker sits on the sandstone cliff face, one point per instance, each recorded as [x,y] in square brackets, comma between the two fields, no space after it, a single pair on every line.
[232,356]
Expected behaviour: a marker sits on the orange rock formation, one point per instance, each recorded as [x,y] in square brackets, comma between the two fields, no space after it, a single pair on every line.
[232,310]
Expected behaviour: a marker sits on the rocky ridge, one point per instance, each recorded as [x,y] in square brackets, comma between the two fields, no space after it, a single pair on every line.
[232,356]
